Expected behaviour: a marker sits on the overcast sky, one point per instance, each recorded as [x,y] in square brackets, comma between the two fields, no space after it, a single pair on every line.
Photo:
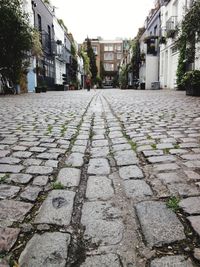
[106,18]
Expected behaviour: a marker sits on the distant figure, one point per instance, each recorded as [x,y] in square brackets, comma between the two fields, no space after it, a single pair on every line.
[88,83]
[95,87]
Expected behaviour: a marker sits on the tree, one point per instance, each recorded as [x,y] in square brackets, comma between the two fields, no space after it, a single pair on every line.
[86,61]
[92,57]
[15,39]
[74,64]
[136,57]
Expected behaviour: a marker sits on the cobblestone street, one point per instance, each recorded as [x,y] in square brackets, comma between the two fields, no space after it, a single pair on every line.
[105,178]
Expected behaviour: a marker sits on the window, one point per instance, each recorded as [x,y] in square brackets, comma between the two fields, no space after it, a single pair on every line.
[155,30]
[39,23]
[49,38]
[108,47]
[119,56]
[108,56]
[119,47]
[95,50]
[109,67]
[174,49]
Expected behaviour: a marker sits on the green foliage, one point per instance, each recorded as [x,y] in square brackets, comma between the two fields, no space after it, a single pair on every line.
[98,81]
[181,69]
[15,39]
[133,145]
[62,24]
[4,177]
[191,78]
[102,70]
[57,185]
[154,146]
[173,203]
[123,76]
[36,44]
[136,59]
[176,146]
[74,65]
[86,61]
[190,35]
[92,57]
[49,129]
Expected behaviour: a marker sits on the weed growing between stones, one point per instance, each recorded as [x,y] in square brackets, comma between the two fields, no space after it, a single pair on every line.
[4,177]
[154,146]
[133,145]
[149,137]
[57,185]
[49,129]
[63,130]
[173,203]
[166,150]
[177,146]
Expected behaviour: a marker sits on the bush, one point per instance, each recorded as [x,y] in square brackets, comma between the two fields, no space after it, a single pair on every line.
[191,82]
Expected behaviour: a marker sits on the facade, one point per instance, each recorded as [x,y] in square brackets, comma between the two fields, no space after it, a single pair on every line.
[111,54]
[56,45]
[149,49]
[96,48]
[31,76]
[172,13]
[43,21]
[62,54]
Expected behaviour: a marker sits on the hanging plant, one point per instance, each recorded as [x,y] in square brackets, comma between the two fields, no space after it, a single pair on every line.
[162,40]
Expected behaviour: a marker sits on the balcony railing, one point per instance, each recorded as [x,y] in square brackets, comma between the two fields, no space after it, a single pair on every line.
[172,23]
[165,2]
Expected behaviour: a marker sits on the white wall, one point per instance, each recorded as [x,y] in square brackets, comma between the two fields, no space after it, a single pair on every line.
[60,69]
[151,70]
[27,6]
[197,57]
[60,66]
[169,58]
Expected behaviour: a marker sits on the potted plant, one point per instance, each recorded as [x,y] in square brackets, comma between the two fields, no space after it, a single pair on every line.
[38,89]
[162,40]
[191,82]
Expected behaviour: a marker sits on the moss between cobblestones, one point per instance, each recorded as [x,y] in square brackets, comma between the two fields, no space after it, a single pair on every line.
[173,203]
[177,146]
[4,177]
[57,185]
[154,146]
[166,150]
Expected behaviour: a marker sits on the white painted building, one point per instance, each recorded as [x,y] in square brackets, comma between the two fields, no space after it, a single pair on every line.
[31,76]
[149,49]
[172,13]
[80,74]
[60,62]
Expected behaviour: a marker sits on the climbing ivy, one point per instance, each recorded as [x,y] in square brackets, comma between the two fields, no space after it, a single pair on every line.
[190,35]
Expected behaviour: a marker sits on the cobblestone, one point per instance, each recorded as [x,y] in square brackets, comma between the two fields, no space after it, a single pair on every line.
[57,208]
[98,166]
[107,260]
[8,191]
[99,188]
[176,261]
[131,172]
[102,222]
[69,177]
[48,249]
[129,152]
[8,237]
[160,225]
[13,211]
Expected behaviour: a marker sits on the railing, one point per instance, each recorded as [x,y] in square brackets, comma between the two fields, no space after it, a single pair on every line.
[172,23]
[165,2]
